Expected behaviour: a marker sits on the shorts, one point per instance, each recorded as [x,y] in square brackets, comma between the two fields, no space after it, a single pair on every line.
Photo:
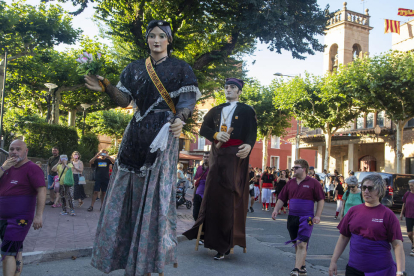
[350,271]
[410,223]
[101,185]
[251,192]
[50,180]
[5,250]
[293,226]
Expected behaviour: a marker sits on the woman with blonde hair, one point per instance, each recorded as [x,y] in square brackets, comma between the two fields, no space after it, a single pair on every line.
[79,192]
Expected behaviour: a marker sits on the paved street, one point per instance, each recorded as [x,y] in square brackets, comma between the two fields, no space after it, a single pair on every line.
[266,252]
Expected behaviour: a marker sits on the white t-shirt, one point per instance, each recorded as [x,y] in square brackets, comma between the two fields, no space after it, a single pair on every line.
[227,112]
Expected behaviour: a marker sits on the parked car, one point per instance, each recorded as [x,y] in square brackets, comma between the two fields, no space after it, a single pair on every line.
[397,186]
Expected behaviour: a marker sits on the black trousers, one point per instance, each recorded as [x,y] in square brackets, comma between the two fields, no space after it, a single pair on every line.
[196,205]
[350,271]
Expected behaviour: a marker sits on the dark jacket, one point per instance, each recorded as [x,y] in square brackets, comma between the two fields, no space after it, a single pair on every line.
[243,121]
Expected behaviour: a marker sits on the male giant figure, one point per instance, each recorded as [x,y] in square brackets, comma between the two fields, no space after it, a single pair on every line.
[224,207]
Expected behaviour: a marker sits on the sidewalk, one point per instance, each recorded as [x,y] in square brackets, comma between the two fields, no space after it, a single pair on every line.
[67,233]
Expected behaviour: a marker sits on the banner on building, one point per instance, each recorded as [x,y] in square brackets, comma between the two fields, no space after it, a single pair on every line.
[405,12]
[392,26]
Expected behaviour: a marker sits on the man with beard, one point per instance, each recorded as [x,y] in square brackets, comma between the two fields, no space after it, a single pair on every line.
[22,184]
[224,207]
[302,191]
[200,179]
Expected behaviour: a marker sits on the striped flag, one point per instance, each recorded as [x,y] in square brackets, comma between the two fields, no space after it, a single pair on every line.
[405,12]
[392,26]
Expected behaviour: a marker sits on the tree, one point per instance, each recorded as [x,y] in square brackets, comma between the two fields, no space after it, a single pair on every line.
[25,29]
[213,35]
[318,103]
[270,121]
[384,82]
[30,73]
[108,122]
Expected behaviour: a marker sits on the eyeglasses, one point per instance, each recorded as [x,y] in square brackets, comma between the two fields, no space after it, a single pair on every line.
[295,168]
[370,188]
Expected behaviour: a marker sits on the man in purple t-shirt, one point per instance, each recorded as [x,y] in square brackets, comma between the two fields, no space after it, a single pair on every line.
[22,183]
[302,191]
[202,172]
[407,211]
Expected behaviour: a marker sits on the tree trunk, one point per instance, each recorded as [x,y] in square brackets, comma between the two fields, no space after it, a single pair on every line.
[116,142]
[55,119]
[399,141]
[72,117]
[328,138]
[265,151]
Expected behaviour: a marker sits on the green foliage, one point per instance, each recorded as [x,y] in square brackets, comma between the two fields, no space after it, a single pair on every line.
[108,122]
[89,65]
[113,150]
[88,146]
[25,28]
[316,101]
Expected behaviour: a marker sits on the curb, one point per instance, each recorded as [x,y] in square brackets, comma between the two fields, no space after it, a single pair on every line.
[56,255]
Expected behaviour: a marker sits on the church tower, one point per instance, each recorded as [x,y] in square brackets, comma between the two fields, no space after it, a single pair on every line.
[347,37]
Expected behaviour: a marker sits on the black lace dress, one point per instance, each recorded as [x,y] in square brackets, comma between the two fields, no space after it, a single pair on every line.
[137,227]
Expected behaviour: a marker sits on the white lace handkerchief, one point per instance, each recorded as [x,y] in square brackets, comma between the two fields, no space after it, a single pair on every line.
[161,140]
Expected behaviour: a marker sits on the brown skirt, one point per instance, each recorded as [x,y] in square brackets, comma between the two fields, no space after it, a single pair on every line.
[224,207]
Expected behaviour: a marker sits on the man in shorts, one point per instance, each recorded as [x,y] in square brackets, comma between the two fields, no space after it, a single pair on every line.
[302,191]
[102,163]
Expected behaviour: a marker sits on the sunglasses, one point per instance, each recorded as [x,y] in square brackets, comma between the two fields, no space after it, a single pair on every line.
[295,168]
[370,188]
[351,186]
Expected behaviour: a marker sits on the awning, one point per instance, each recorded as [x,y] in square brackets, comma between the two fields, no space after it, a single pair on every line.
[190,157]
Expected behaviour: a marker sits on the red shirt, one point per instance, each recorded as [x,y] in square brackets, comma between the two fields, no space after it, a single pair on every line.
[22,181]
[375,223]
[309,189]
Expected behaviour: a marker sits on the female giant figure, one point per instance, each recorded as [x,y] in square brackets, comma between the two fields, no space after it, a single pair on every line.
[137,226]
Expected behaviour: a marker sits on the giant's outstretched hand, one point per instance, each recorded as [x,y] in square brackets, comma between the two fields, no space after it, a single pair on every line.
[177,127]
[92,82]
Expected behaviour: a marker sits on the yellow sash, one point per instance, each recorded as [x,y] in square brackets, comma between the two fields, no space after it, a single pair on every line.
[158,84]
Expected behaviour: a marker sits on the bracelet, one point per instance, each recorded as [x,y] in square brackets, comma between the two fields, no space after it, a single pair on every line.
[101,85]
[2,168]
[215,136]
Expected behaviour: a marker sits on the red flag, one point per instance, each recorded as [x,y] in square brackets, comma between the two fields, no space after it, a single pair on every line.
[392,26]
[405,12]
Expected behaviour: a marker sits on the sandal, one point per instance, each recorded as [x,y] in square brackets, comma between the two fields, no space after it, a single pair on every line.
[90,209]
[54,206]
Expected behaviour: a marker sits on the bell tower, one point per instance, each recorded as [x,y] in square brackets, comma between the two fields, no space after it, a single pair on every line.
[347,37]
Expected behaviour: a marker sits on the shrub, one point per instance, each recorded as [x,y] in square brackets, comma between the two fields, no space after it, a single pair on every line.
[88,146]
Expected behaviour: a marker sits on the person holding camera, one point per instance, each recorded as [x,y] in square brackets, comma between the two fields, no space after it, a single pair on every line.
[63,167]
[101,162]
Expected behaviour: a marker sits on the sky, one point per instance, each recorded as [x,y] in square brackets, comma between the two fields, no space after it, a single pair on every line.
[267,62]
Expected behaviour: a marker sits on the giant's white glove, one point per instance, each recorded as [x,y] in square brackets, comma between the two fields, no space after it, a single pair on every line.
[177,127]
[244,150]
[223,136]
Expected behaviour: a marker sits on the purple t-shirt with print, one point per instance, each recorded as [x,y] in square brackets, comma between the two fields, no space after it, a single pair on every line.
[408,199]
[22,181]
[375,223]
[309,189]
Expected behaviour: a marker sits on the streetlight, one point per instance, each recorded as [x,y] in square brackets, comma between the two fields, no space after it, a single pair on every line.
[51,86]
[297,122]
[85,106]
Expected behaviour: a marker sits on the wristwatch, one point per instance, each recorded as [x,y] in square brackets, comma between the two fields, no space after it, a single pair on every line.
[401,273]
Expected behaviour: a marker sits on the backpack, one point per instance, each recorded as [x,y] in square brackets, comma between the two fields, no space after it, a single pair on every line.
[360,194]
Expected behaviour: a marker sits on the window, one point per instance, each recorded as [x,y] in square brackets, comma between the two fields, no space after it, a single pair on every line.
[410,123]
[370,120]
[360,121]
[274,161]
[381,118]
[201,143]
[275,142]
[289,162]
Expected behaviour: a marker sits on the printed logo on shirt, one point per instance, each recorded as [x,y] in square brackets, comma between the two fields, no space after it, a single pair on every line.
[305,186]
[377,220]
[14,182]
[102,164]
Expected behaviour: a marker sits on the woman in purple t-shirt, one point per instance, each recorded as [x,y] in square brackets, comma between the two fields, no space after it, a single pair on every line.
[408,211]
[371,227]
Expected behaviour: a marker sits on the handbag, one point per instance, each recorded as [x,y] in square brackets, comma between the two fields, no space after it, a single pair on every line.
[197,182]
[68,180]
[56,184]
[82,180]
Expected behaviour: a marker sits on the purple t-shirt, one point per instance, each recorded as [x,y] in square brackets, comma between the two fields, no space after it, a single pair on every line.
[22,181]
[309,189]
[408,199]
[202,185]
[375,223]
